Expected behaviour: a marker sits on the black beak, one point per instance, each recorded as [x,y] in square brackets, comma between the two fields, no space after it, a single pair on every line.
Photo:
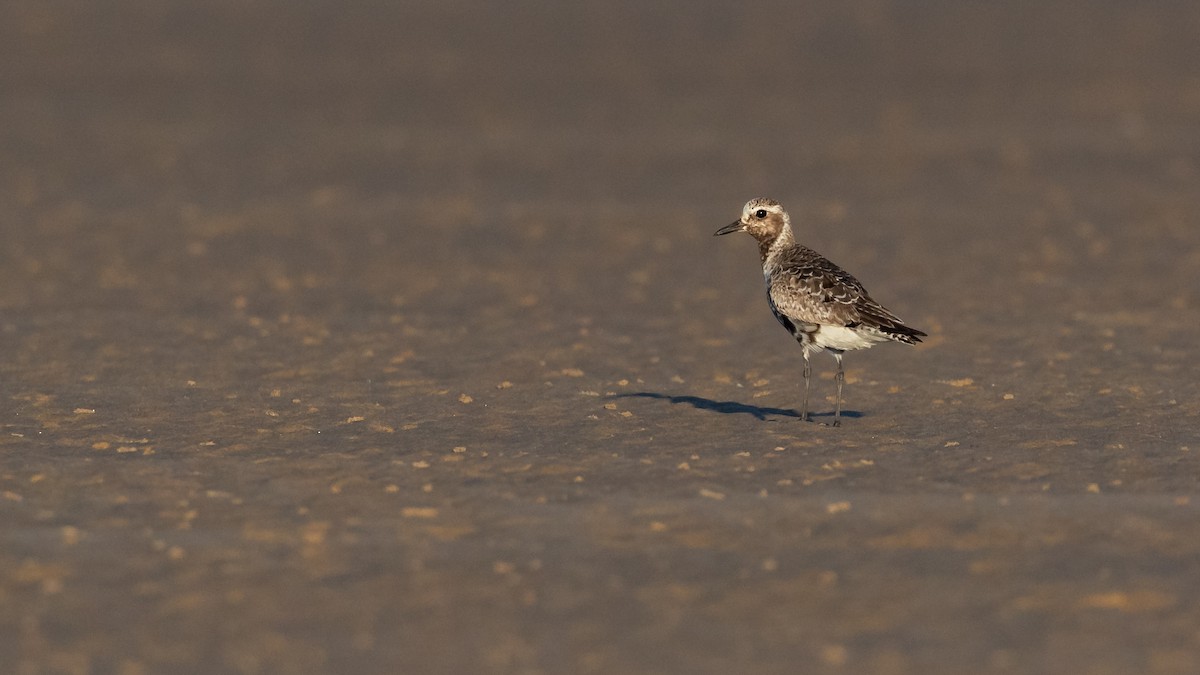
[735,226]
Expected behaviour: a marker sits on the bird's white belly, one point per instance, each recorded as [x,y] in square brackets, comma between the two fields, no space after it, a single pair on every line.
[845,339]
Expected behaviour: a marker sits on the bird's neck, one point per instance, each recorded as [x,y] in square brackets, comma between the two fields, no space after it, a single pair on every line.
[766,247]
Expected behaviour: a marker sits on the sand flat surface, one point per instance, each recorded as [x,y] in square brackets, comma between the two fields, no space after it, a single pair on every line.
[392,337]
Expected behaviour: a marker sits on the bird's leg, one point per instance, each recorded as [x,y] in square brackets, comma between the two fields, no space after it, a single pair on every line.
[807,376]
[837,406]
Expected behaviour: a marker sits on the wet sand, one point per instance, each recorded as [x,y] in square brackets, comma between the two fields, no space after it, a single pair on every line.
[394,339]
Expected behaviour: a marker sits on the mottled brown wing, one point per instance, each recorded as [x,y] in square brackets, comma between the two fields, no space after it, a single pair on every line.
[810,289]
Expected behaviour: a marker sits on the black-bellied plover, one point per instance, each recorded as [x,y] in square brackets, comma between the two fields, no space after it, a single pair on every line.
[820,304]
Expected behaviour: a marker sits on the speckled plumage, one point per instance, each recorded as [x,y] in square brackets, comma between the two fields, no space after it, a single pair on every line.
[819,303]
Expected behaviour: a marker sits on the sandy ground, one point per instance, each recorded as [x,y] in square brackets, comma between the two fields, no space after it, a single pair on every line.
[392,337]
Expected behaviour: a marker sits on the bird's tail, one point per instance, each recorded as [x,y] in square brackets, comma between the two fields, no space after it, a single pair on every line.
[901,333]
[890,325]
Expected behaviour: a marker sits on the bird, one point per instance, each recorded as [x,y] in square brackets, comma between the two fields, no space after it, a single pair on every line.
[819,303]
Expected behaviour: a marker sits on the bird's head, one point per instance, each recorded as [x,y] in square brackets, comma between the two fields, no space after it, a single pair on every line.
[763,218]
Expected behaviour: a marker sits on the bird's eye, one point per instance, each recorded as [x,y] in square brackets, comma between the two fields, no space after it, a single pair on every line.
[761,213]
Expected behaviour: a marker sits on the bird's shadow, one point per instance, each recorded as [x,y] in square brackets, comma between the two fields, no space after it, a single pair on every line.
[731,407]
